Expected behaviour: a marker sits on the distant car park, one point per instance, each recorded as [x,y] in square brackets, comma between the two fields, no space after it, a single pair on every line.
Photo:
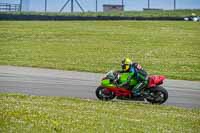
[193,17]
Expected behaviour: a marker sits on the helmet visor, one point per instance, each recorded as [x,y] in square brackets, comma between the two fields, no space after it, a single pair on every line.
[125,67]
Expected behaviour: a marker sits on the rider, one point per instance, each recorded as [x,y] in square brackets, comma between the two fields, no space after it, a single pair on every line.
[137,73]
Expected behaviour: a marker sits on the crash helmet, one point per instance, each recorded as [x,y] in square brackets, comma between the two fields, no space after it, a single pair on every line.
[126,63]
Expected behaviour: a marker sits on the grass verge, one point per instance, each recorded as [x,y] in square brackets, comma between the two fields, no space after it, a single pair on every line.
[164,13]
[22,113]
[168,48]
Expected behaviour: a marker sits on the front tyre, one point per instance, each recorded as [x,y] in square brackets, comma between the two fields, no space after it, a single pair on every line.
[104,94]
[157,95]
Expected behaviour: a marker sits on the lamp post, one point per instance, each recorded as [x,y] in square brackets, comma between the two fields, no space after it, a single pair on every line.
[45,6]
[123,4]
[174,4]
[72,5]
[96,5]
[20,6]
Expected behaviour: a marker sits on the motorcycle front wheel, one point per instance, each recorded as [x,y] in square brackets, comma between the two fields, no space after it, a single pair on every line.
[157,95]
[104,94]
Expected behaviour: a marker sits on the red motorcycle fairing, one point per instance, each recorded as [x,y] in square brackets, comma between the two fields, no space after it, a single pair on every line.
[120,91]
[155,80]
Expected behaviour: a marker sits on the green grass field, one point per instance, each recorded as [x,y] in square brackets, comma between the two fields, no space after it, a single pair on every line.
[22,113]
[161,47]
[164,13]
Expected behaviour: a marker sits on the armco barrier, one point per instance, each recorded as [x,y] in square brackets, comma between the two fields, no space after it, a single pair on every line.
[45,17]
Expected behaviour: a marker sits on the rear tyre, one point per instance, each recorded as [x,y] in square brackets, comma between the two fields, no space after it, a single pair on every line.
[104,94]
[157,95]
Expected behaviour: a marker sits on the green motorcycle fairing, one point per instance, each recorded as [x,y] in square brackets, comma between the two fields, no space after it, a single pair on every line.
[123,79]
[107,83]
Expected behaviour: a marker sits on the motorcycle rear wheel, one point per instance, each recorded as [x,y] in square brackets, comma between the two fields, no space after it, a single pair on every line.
[104,94]
[157,95]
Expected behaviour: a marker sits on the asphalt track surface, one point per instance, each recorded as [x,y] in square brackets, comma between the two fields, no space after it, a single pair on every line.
[48,82]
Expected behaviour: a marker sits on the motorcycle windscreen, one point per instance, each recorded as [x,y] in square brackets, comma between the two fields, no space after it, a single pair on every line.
[124,78]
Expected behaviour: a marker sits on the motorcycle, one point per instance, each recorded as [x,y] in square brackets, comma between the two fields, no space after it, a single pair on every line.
[110,88]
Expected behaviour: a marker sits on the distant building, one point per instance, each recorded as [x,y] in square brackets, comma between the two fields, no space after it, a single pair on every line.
[111,8]
[5,7]
[15,5]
